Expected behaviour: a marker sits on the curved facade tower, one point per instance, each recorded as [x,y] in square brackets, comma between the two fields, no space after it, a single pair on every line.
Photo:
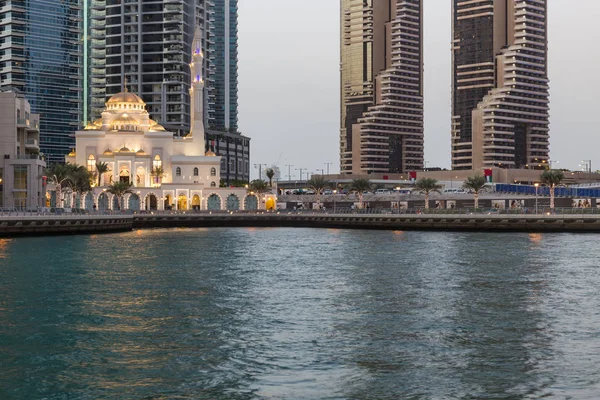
[381,86]
[500,88]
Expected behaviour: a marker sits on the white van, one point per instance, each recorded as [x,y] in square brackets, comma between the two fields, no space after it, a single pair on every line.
[382,191]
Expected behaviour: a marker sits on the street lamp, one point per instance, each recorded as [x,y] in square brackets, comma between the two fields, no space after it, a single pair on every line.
[322,171]
[536,196]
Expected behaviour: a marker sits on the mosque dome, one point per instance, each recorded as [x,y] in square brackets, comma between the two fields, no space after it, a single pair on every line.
[108,152]
[124,150]
[210,154]
[141,152]
[156,127]
[125,97]
[98,122]
[72,153]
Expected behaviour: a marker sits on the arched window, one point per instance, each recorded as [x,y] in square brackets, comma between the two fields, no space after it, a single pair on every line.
[213,171]
[213,184]
[196,171]
[178,171]
[157,163]
[91,163]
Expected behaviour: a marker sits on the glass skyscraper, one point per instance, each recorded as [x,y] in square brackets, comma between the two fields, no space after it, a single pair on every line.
[223,74]
[41,55]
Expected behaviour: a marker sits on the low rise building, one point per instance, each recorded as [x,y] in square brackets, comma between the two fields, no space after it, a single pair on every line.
[21,165]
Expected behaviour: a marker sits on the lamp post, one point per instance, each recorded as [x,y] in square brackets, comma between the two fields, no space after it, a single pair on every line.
[289,172]
[259,170]
[328,164]
[322,171]
[536,197]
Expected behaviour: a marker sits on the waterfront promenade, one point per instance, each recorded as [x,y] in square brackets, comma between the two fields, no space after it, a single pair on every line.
[24,224]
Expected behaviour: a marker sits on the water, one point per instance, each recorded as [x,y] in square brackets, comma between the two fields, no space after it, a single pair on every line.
[300,314]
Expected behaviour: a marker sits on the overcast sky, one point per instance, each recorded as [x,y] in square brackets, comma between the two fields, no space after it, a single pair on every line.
[289,102]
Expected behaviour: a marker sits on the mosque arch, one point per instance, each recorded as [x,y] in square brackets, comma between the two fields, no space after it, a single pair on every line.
[196,202]
[103,202]
[251,202]
[182,202]
[151,202]
[233,202]
[133,203]
[168,204]
[213,171]
[213,202]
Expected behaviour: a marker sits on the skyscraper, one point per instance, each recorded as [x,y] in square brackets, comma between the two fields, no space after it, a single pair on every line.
[41,56]
[500,86]
[381,86]
[223,77]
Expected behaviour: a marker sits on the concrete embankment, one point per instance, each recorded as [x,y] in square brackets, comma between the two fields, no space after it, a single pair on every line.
[32,225]
[458,222]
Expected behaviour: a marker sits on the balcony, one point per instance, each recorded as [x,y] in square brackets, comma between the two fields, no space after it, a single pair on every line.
[32,144]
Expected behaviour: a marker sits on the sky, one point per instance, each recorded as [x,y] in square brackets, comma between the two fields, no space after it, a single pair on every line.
[289,100]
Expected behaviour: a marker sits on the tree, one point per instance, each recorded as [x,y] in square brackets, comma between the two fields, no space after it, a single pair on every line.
[552,179]
[427,186]
[120,189]
[259,187]
[157,172]
[360,186]
[59,175]
[317,183]
[102,168]
[476,184]
[270,172]
[80,179]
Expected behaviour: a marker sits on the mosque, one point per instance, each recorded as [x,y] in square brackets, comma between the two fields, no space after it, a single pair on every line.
[167,172]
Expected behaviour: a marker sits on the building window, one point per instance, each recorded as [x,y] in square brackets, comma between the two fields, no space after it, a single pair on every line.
[20,181]
[178,171]
[196,171]
[213,184]
[157,163]
[213,171]
[91,164]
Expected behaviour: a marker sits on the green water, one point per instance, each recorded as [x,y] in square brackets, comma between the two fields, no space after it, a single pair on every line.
[299,314]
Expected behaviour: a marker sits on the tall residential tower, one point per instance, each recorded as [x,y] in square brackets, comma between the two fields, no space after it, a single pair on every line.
[500,84]
[41,56]
[223,61]
[381,86]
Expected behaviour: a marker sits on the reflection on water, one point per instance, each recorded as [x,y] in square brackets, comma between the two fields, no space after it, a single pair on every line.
[299,313]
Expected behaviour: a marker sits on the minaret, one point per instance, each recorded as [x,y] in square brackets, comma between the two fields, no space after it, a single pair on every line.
[197,87]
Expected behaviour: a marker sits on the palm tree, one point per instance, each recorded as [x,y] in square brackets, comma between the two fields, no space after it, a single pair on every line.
[360,186]
[427,186]
[476,184]
[120,189]
[259,187]
[318,183]
[59,175]
[157,172]
[102,168]
[80,180]
[270,172]
[552,179]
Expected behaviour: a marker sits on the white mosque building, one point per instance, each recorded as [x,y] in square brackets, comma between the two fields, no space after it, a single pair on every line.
[167,172]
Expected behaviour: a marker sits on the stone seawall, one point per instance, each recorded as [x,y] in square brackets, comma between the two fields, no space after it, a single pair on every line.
[63,225]
[458,222]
